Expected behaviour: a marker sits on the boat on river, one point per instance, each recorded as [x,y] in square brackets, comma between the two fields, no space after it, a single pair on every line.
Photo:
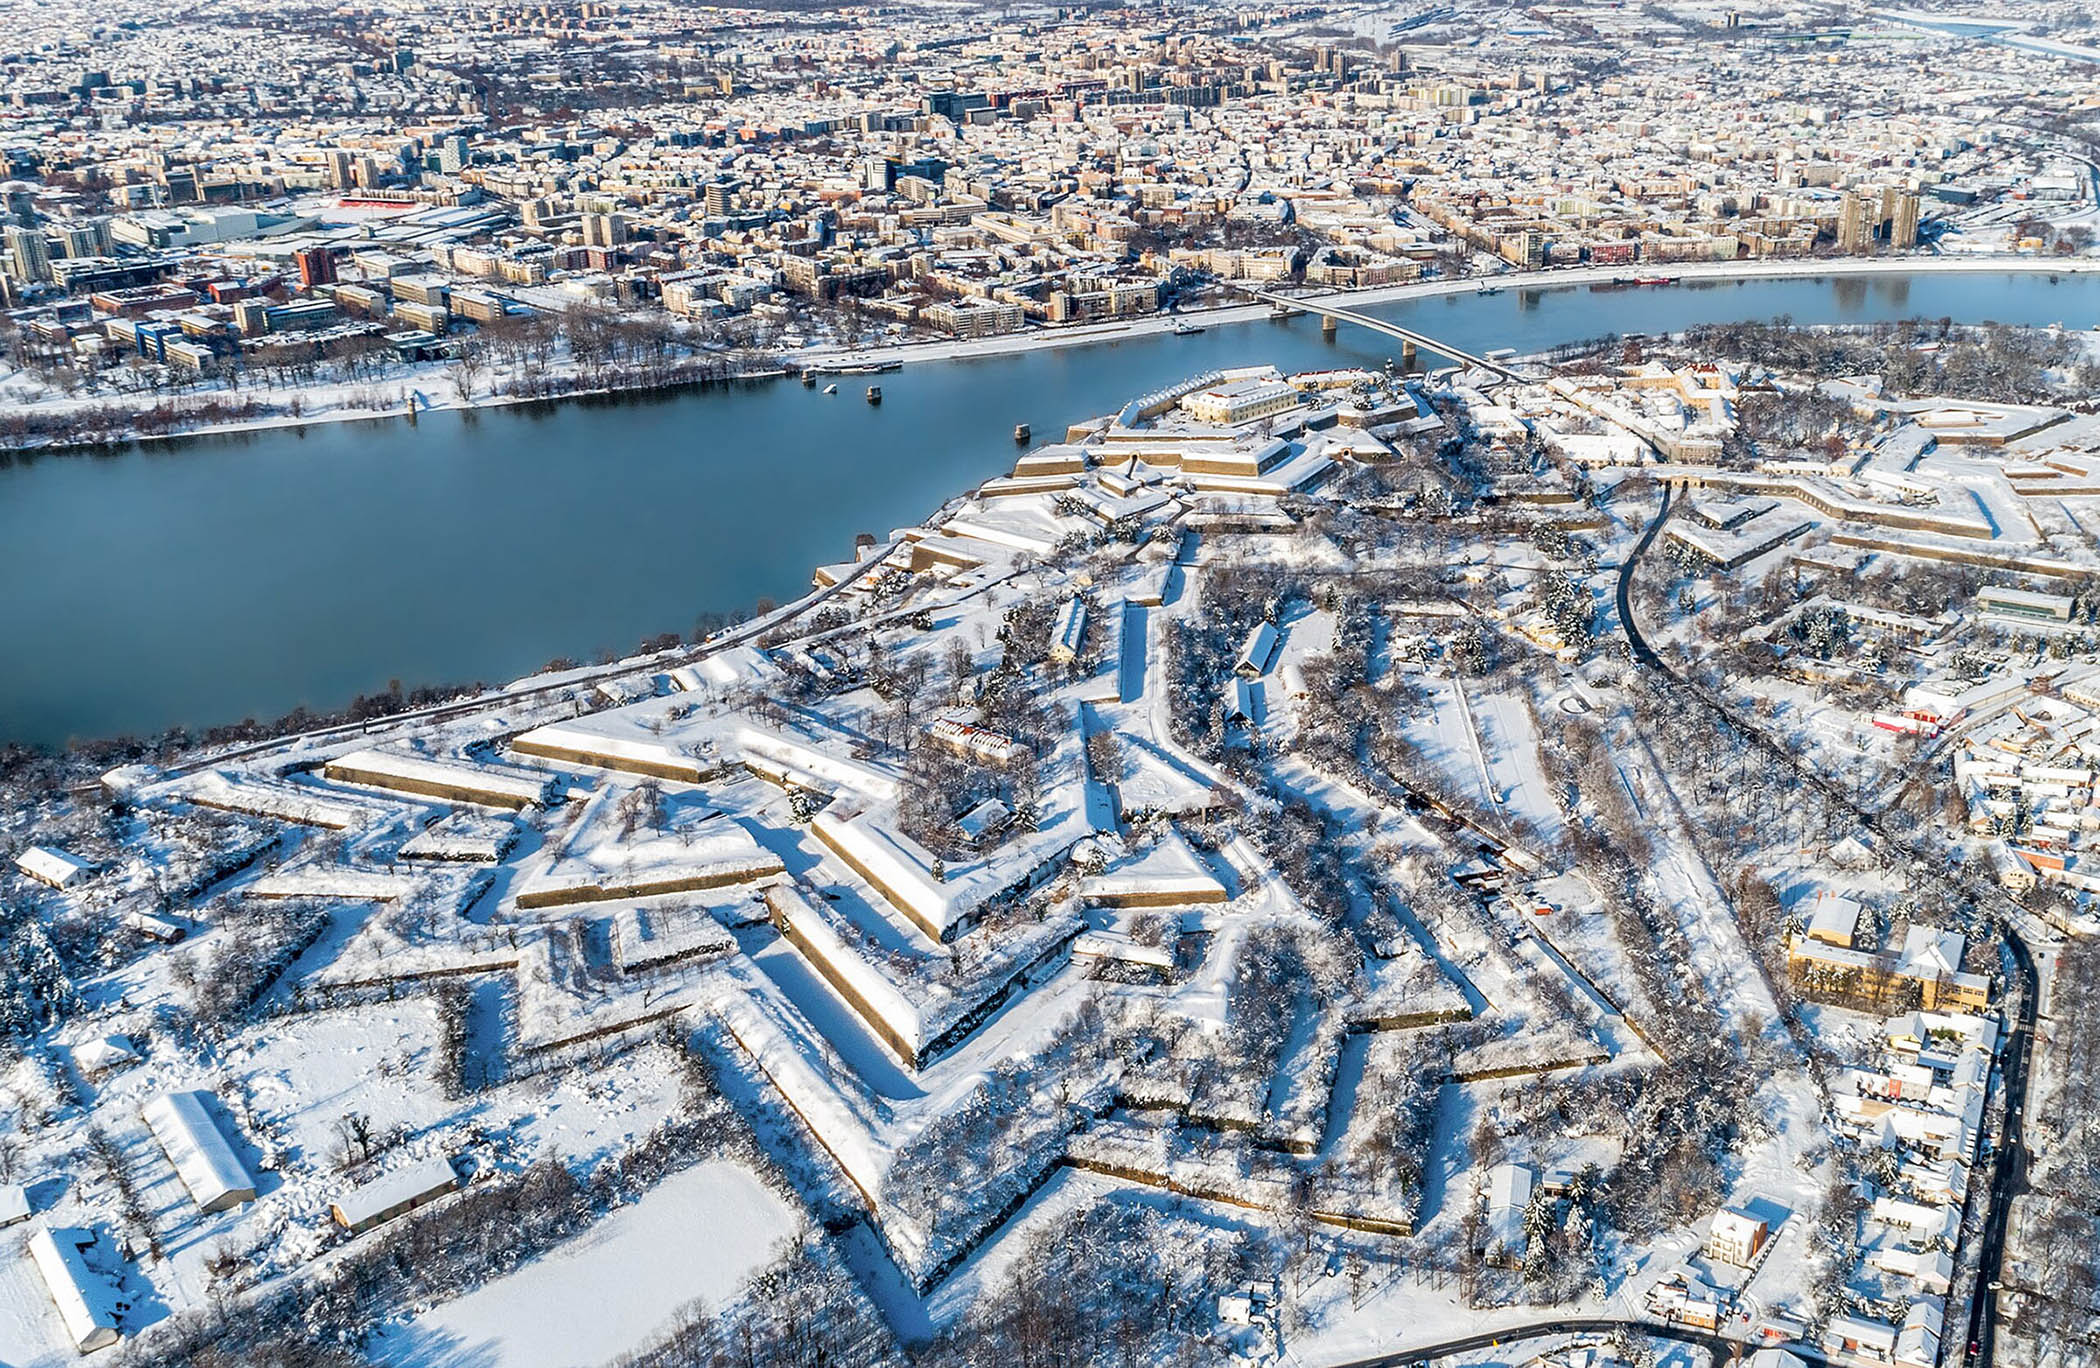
[856,367]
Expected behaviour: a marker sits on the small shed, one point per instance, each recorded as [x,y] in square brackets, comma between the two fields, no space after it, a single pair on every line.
[48,864]
[395,1194]
[988,818]
[1247,702]
[1069,633]
[106,1055]
[157,928]
[1258,652]
[14,1204]
[207,1165]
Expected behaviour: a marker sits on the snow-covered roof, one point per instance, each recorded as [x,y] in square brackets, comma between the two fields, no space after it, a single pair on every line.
[207,1165]
[14,1203]
[86,1302]
[50,865]
[1260,648]
[102,1055]
[408,1184]
[1731,1224]
[463,780]
[1509,1186]
[984,817]
[1833,917]
[1775,1358]
[1929,953]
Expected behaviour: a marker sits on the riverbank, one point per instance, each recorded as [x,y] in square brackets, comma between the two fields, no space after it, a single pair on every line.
[1564,278]
[336,403]
[341,403]
[248,575]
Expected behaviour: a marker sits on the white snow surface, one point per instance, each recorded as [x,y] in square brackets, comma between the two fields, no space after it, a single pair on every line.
[700,1234]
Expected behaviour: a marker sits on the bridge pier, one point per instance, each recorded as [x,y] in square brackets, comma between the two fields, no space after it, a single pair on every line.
[1332,315]
[1410,358]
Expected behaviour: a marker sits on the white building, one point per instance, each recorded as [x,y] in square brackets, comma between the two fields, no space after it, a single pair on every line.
[395,1194]
[48,864]
[207,1165]
[1735,1237]
[1240,401]
[86,1302]
[1509,1195]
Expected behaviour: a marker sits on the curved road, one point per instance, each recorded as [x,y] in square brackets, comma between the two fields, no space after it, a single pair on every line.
[1642,651]
[1720,1349]
[2009,1162]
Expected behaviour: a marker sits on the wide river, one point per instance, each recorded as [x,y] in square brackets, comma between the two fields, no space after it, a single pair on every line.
[203,581]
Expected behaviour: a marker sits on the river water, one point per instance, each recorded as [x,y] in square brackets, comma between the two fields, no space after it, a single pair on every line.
[203,581]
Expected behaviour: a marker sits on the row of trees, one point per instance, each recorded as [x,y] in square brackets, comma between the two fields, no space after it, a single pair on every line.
[2058,1293]
[1688,1115]
[967,1167]
[257,942]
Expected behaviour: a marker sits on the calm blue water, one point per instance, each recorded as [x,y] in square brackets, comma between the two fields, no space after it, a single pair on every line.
[210,580]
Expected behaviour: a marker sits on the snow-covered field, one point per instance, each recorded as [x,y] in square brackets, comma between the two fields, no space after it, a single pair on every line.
[697,1238]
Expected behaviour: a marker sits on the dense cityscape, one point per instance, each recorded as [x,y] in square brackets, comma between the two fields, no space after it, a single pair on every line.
[239,214]
[1479,800]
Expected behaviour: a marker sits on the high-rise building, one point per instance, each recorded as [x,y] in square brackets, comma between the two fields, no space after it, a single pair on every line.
[604,230]
[717,198]
[28,258]
[316,266]
[452,154]
[1855,230]
[89,238]
[340,170]
[1903,220]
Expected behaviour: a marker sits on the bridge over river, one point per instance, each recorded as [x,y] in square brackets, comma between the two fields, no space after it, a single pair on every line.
[1363,320]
